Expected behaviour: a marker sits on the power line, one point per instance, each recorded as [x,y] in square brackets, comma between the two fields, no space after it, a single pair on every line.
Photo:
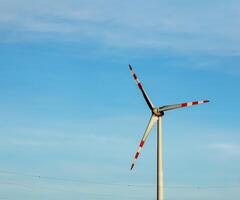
[196,187]
[79,192]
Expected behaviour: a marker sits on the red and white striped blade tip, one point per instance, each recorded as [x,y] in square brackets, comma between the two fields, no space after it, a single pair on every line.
[193,103]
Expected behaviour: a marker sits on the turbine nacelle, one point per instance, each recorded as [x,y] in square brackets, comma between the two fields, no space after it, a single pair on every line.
[157,112]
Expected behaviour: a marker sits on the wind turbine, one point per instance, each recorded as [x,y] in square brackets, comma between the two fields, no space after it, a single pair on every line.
[157,114]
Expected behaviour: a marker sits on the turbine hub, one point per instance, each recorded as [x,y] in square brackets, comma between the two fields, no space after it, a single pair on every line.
[157,112]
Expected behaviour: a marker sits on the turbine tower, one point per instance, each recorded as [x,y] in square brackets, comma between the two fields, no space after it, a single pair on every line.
[157,114]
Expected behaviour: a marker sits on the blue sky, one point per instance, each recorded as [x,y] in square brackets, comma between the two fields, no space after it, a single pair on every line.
[72,114]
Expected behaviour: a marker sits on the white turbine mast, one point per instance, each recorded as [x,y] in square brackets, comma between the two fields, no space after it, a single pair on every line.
[157,114]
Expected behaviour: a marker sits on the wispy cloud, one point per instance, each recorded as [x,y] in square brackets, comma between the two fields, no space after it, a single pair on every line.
[202,27]
[226,148]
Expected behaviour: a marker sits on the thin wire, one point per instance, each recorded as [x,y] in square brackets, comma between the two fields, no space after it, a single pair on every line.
[117,184]
[62,190]
[56,178]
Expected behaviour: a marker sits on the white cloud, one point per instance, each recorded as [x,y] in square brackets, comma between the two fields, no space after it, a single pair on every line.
[205,27]
[226,148]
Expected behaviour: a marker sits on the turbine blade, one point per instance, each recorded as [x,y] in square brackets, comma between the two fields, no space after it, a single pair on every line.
[144,138]
[150,105]
[181,105]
